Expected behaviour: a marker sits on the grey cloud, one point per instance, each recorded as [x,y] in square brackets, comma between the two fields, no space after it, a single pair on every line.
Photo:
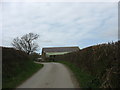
[59,24]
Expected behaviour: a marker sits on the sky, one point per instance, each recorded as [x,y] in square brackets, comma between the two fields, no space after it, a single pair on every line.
[60,23]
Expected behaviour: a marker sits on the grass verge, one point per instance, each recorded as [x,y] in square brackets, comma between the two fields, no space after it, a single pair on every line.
[85,79]
[23,75]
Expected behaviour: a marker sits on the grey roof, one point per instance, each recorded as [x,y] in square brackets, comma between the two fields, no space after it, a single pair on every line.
[61,49]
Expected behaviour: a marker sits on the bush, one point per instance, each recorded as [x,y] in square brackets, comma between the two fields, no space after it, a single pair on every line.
[101,61]
[16,67]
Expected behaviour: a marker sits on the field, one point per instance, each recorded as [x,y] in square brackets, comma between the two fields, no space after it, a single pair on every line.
[57,53]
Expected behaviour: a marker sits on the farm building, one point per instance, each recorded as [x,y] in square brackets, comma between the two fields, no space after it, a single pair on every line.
[50,54]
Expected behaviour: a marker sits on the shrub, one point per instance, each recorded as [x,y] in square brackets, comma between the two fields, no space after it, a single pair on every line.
[101,61]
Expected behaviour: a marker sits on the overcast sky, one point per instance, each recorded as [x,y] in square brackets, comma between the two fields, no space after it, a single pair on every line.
[60,24]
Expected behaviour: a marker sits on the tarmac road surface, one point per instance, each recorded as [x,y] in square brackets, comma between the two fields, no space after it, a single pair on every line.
[52,75]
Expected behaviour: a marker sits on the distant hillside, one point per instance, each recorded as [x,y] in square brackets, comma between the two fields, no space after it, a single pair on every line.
[16,67]
[101,61]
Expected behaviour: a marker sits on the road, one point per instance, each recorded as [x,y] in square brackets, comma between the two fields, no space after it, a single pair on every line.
[52,75]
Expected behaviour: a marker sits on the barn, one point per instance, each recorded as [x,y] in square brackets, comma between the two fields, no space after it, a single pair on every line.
[50,53]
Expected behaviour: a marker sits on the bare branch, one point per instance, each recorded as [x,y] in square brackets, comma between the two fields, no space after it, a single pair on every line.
[25,43]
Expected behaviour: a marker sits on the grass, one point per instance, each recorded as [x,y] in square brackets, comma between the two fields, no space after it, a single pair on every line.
[85,79]
[23,75]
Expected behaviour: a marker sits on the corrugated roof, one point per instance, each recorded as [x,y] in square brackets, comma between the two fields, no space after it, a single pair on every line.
[61,49]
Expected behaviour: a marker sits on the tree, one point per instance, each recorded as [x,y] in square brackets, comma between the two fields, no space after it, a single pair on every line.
[26,43]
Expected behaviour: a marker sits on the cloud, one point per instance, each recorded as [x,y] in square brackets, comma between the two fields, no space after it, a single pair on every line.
[61,1]
[61,24]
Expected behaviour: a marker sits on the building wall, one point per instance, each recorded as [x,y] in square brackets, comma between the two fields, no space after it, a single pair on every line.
[55,52]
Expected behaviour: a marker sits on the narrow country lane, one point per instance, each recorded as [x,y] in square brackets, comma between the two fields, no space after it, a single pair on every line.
[52,75]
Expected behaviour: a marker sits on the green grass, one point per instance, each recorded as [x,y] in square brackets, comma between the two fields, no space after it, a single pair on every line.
[85,79]
[23,75]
